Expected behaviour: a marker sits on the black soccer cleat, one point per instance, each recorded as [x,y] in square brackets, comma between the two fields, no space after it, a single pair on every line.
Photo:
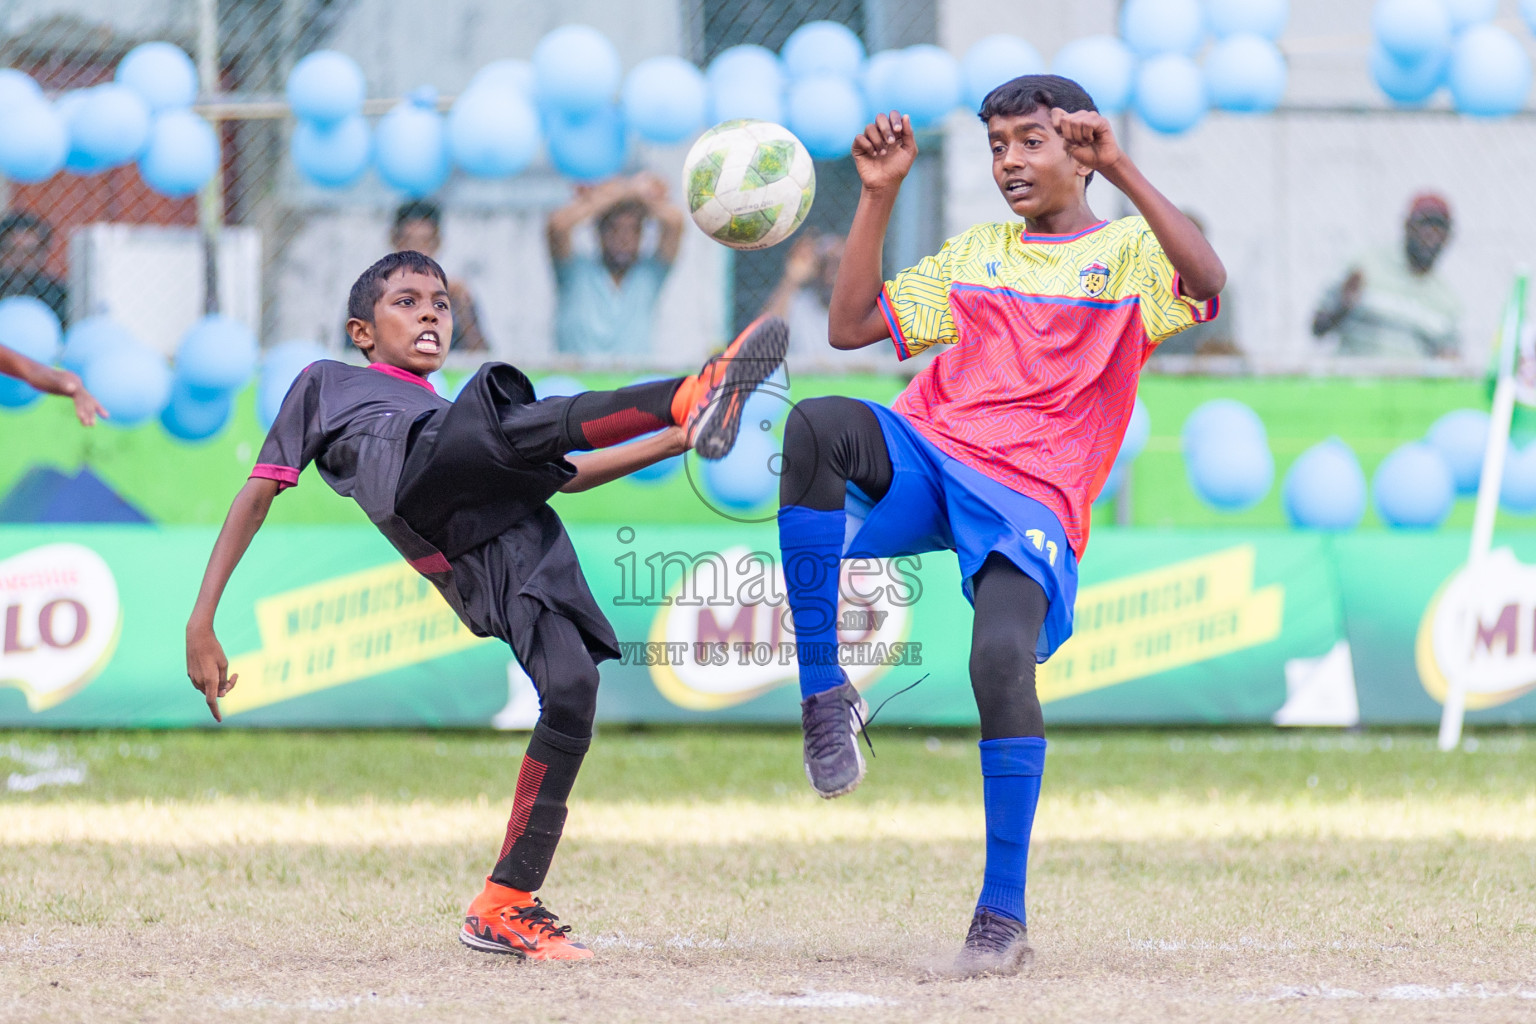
[723,385]
[994,945]
[831,721]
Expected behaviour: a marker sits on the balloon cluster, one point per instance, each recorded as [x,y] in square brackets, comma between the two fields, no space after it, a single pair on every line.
[1418,46]
[142,115]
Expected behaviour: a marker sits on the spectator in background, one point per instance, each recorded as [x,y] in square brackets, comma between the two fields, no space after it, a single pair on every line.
[25,240]
[419,226]
[1391,303]
[606,300]
[804,294]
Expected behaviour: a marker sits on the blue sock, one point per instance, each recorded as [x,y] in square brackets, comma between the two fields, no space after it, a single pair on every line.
[811,543]
[1010,778]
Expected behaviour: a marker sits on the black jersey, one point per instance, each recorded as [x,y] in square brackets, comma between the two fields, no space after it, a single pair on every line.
[460,489]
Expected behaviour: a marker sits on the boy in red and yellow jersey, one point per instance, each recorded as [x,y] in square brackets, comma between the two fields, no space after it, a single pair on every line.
[998,447]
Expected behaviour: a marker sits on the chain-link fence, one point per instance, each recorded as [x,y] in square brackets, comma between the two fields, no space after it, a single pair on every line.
[284,250]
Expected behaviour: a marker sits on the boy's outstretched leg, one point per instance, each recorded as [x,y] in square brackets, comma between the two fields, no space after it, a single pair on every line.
[506,917]
[827,442]
[1010,610]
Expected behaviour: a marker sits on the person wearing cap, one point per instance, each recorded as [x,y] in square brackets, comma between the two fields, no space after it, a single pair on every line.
[1391,304]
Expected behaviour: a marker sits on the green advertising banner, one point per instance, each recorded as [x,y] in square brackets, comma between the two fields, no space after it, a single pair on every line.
[327,627]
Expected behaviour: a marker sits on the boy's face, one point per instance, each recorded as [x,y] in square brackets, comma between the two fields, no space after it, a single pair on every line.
[1031,165]
[412,324]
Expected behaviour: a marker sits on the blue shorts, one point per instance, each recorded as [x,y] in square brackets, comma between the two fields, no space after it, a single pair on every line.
[938,503]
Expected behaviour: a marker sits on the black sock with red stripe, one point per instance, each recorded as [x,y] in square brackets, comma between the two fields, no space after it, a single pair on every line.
[598,419]
[538,810]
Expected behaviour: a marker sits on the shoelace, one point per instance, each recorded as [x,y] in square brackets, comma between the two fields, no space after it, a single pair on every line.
[864,725]
[539,918]
[990,933]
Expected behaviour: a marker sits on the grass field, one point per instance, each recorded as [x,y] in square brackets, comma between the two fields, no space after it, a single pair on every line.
[1174,876]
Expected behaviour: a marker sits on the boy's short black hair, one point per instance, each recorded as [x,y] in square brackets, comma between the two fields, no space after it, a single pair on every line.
[1030,92]
[419,209]
[368,288]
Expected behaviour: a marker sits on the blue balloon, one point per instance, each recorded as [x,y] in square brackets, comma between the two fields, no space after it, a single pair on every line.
[749,475]
[1411,30]
[131,382]
[217,355]
[1466,13]
[1528,12]
[507,75]
[587,148]
[747,63]
[995,60]
[1462,437]
[1245,73]
[493,131]
[558,386]
[195,416]
[1170,93]
[927,86]
[1221,417]
[825,113]
[326,87]
[1230,472]
[17,87]
[735,100]
[34,140]
[1153,27]
[1490,74]
[880,80]
[1103,66]
[1408,84]
[161,73]
[282,363]
[411,149]
[109,127]
[577,70]
[665,99]
[1517,490]
[92,337]
[66,105]
[30,327]
[182,155]
[1413,488]
[822,48]
[1325,488]
[333,156]
[1265,18]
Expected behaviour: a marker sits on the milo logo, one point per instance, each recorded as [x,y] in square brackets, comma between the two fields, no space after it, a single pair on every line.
[59,621]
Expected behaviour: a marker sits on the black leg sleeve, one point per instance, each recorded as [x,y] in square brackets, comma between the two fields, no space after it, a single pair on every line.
[545,430]
[1010,610]
[828,442]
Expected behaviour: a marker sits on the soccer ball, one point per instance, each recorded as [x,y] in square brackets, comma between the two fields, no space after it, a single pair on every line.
[749,183]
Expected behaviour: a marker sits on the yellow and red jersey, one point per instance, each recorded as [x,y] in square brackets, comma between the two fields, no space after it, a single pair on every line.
[1047,335]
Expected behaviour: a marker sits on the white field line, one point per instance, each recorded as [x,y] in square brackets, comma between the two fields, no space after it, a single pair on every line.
[226,821]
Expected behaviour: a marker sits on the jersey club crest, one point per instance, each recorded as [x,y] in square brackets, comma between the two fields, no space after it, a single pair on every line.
[1094,278]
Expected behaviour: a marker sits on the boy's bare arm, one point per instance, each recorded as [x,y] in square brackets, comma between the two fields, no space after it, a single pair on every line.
[1091,141]
[607,464]
[207,666]
[882,154]
[54,382]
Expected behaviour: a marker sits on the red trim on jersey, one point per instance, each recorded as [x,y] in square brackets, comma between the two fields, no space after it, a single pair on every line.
[903,350]
[286,476]
[435,562]
[1043,239]
[399,373]
[1205,311]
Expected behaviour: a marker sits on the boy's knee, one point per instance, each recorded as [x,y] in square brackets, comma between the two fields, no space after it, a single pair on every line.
[569,706]
[1002,667]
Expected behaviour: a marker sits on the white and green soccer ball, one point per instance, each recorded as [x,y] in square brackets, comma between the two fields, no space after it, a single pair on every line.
[749,183]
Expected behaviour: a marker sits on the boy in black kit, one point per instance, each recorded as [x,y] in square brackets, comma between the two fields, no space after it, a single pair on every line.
[461,490]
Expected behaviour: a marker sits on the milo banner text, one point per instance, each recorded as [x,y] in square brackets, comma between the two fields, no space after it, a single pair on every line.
[328,628]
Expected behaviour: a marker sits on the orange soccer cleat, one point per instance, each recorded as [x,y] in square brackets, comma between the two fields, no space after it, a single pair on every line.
[510,921]
[708,404]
